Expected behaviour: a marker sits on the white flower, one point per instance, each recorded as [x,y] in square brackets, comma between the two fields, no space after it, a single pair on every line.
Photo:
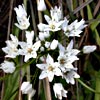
[56,13]
[69,52]
[67,56]
[11,48]
[26,88]
[41,5]
[64,62]
[69,76]
[29,50]
[7,67]
[51,26]
[88,49]
[23,21]
[59,91]
[49,69]
[74,29]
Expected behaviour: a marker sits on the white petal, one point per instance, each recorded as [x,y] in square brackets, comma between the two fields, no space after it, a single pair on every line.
[65,24]
[70,45]
[41,66]
[27,57]
[43,75]
[72,81]
[49,59]
[61,47]
[57,72]
[36,45]
[75,74]
[50,76]
[42,27]
[23,45]
[14,39]
[47,18]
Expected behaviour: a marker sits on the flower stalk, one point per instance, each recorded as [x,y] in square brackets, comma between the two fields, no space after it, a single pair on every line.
[97,88]
[47,88]
[45,81]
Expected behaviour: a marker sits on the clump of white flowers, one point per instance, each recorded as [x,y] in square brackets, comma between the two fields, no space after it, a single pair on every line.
[74,29]
[52,58]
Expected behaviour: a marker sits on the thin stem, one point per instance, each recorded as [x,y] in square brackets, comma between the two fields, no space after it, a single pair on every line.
[48,3]
[20,82]
[8,32]
[33,18]
[10,16]
[45,81]
[87,87]
[47,89]
[97,96]
[80,7]
[2,92]
[77,90]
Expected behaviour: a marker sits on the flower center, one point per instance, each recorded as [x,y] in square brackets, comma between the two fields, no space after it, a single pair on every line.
[67,31]
[29,50]
[62,61]
[66,73]
[50,68]
[14,49]
[52,26]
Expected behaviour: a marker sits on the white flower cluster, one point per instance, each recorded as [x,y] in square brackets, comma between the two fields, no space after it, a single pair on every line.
[62,64]
[28,49]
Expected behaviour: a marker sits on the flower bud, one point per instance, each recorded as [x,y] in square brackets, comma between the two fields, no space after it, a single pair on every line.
[41,5]
[89,49]
[54,44]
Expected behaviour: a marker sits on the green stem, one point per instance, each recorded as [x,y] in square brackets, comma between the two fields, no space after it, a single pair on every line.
[97,96]
[46,83]
[89,88]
